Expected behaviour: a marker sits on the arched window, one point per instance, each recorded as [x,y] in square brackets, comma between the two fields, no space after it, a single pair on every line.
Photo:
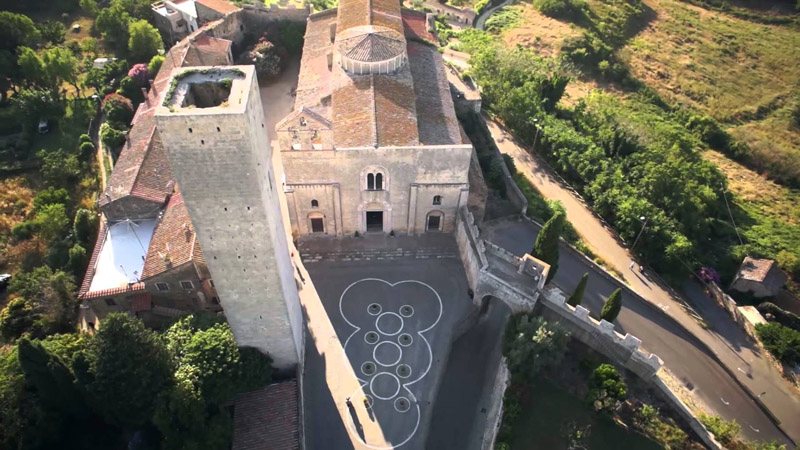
[379,182]
[437,199]
[314,204]
[376,179]
[370,182]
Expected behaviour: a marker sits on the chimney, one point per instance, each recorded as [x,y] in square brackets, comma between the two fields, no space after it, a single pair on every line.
[332,29]
[330,60]
[146,97]
[152,86]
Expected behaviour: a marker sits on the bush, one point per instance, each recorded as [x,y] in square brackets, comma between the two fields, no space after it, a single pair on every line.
[50,196]
[118,108]
[23,230]
[58,168]
[606,388]
[139,74]
[785,318]
[781,341]
[267,58]
[562,9]
[129,89]
[509,160]
[111,137]
[155,65]
[86,151]
[724,431]
[85,226]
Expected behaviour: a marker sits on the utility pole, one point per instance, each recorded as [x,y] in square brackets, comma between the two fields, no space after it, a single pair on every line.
[644,225]
[536,124]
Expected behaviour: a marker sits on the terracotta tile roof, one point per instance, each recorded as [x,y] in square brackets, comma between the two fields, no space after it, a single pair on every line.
[129,289]
[174,241]
[129,168]
[410,107]
[208,51]
[267,418]
[370,47]
[436,115]
[764,271]
[220,6]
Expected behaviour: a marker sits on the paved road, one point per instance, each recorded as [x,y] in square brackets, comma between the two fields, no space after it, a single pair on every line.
[481,20]
[681,352]
[751,367]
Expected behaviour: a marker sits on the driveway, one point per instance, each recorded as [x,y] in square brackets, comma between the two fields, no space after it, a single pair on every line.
[750,366]
[394,318]
[681,352]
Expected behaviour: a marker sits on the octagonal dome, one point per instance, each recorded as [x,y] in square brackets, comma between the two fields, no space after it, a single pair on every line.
[371,49]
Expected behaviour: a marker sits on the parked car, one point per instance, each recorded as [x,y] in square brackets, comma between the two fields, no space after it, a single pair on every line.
[4,279]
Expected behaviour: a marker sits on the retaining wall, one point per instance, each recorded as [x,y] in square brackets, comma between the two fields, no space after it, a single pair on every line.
[735,311]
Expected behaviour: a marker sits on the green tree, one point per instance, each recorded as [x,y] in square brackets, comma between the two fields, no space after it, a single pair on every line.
[53,292]
[606,388]
[17,411]
[85,226]
[546,246]
[532,344]
[52,221]
[78,260]
[50,196]
[51,379]
[17,318]
[144,41]
[39,104]
[17,30]
[577,296]
[59,169]
[726,432]
[267,58]
[53,32]
[128,366]
[112,23]
[90,7]
[612,306]
[155,65]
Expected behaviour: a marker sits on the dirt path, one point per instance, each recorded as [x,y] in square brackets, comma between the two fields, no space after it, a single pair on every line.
[748,365]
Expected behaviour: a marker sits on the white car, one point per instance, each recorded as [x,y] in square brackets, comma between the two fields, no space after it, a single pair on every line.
[4,279]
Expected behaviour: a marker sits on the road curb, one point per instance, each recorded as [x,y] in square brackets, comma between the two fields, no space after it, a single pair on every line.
[603,272]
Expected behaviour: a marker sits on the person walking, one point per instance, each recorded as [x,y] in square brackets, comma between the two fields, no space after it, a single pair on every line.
[632,265]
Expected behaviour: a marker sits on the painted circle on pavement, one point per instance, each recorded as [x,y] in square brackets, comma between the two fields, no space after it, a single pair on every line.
[387,353]
[384,386]
[389,323]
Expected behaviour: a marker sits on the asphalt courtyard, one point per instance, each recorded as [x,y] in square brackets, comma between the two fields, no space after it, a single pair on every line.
[394,318]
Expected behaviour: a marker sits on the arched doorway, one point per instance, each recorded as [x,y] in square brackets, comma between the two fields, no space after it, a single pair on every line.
[316,222]
[434,221]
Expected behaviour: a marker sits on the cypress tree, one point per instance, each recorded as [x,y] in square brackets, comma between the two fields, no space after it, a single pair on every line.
[52,380]
[612,306]
[546,246]
[577,296]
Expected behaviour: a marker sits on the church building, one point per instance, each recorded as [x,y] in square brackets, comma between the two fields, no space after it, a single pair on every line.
[373,143]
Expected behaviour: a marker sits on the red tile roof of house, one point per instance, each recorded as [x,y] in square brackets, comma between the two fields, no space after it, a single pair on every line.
[267,418]
[174,241]
[220,6]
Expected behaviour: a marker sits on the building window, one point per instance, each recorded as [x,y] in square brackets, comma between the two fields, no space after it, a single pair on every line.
[187,285]
[110,302]
[437,199]
[162,286]
[375,181]
[314,204]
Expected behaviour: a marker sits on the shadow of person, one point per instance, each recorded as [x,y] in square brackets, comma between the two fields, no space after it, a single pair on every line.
[357,423]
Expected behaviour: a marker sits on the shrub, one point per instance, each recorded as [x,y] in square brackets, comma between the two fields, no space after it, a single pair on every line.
[509,160]
[785,318]
[111,137]
[562,9]
[139,74]
[267,58]
[85,226]
[50,196]
[155,65]
[781,341]
[118,108]
[129,89]
[23,230]
[606,388]
[86,151]
[724,431]
[58,168]
[577,296]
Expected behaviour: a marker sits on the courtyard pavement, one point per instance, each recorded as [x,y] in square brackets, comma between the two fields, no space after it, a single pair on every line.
[394,316]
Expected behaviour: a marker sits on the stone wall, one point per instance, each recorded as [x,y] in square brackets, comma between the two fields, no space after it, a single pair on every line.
[600,336]
[258,17]
[495,413]
[735,311]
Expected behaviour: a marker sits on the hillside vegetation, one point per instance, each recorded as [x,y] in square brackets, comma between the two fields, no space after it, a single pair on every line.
[632,143]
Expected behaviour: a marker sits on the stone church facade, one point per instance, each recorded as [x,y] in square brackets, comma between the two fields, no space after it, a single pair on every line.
[373,144]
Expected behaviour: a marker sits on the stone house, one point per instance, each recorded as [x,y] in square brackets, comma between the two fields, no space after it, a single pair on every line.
[176,19]
[760,277]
